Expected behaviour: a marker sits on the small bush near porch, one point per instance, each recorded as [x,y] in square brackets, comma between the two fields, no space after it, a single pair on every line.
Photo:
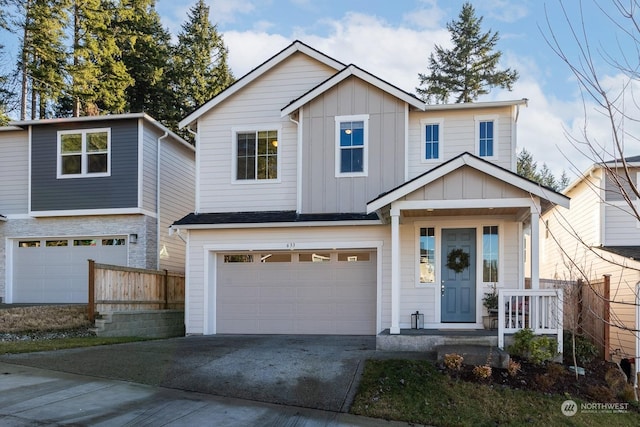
[422,393]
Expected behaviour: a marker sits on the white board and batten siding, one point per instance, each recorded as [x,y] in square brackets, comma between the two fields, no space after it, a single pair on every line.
[458,135]
[206,245]
[322,191]
[255,107]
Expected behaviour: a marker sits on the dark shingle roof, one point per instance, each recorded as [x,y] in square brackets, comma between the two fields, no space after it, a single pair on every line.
[269,217]
[631,252]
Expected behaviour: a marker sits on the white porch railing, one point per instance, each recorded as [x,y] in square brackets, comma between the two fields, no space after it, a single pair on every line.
[537,309]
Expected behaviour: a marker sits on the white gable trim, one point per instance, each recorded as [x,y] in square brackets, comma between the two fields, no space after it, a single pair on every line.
[349,71]
[296,46]
[482,166]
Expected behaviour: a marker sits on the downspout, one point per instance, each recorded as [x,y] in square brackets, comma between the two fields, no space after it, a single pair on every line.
[158,224]
[298,161]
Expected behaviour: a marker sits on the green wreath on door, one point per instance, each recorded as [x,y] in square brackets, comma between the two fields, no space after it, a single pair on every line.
[457,260]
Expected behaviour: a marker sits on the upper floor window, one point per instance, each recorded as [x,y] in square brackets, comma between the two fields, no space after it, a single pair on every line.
[352,145]
[84,153]
[256,155]
[431,139]
[486,136]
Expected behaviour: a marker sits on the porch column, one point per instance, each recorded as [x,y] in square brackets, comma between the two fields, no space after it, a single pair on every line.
[535,249]
[395,272]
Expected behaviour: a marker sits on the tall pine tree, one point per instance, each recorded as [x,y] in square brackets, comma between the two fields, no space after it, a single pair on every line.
[145,49]
[470,68]
[43,54]
[99,78]
[199,62]
[5,93]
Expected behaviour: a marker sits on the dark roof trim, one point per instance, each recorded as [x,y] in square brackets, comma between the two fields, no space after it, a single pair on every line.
[269,217]
[631,252]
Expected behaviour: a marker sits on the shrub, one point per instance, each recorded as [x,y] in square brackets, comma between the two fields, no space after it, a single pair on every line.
[586,351]
[555,370]
[482,371]
[537,349]
[544,382]
[513,368]
[453,361]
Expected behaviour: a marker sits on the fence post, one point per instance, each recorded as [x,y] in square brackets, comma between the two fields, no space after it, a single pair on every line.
[91,306]
[166,288]
[606,316]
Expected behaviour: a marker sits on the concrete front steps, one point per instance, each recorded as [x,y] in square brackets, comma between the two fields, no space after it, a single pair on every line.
[476,346]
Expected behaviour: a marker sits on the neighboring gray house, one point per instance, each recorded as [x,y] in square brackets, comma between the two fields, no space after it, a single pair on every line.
[329,201]
[105,188]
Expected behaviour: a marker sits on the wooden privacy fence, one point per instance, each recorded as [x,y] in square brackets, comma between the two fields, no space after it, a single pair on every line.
[116,288]
[586,309]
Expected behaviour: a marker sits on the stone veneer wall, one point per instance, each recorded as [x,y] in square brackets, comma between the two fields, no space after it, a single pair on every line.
[147,323]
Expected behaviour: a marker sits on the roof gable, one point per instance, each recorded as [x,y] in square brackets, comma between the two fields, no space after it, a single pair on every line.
[352,70]
[296,46]
[474,162]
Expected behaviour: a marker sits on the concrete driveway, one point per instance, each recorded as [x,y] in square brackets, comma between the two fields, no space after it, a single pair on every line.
[319,372]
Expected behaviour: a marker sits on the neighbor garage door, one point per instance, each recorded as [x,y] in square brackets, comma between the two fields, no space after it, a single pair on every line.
[297,293]
[55,270]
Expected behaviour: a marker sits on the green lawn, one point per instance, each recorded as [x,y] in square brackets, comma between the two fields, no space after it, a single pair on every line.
[417,392]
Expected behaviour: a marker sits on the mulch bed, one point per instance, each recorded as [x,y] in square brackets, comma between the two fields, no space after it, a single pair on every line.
[603,381]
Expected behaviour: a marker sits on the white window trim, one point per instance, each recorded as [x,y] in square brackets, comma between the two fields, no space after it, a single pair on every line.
[423,134]
[234,150]
[365,161]
[437,231]
[487,118]
[84,154]
[500,281]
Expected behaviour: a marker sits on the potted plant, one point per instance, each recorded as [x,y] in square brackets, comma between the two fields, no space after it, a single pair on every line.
[490,301]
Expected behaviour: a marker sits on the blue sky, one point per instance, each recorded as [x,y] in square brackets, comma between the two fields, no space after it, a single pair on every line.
[393,40]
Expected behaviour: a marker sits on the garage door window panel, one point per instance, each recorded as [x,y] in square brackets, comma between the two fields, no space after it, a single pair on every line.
[29,243]
[314,257]
[57,243]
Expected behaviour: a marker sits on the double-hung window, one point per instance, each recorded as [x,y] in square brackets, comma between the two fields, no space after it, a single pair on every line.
[256,155]
[84,153]
[486,141]
[352,145]
[432,133]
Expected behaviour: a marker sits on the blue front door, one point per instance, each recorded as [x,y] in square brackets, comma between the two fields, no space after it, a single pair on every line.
[458,287]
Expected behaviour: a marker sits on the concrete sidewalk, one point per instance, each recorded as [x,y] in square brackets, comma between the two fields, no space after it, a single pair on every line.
[33,396]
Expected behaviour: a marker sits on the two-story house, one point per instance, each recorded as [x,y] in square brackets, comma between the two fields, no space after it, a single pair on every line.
[329,201]
[600,235]
[105,188]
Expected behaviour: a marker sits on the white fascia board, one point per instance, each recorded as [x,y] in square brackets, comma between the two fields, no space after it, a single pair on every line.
[482,166]
[349,71]
[521,202]
[476,105]
[92,212]
[276,225]
[78,119]
[174,136]
[411,186]
[10,128]
[256,73]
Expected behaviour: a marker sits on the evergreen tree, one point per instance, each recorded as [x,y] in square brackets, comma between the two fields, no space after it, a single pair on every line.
[199,62]
[5,93]
[469,69]
[145,49]
[527,167]
[43,53]
[99,78]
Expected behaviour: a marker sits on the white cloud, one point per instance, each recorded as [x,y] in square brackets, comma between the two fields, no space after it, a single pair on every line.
[397,54]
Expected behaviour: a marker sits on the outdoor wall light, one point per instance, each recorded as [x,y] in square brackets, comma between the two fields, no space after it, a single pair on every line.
[133,238]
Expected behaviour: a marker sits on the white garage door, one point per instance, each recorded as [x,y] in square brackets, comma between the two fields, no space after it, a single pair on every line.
[55,270]
[319,292]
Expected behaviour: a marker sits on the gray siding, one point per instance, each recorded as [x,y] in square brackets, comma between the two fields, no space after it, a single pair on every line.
[614,191]
[150,167]
[322,191]
[120,190]
[14,172]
